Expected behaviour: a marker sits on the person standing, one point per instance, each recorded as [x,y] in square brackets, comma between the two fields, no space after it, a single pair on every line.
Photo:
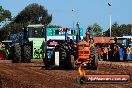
[125,56]
[109,53]
[121,53]
[116,54]
[131,52]
[128,51]
[105,53]
[99,53]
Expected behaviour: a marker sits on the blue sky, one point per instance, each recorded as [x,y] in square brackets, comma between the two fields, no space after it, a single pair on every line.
[86,12]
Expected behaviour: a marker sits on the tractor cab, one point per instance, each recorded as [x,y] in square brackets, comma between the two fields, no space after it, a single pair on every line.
[35,31]
[36,35]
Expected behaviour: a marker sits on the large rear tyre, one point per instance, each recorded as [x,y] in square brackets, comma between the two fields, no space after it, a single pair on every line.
[62,57]
[27,54]
[95,61]
[94,57]
[72,62]
[16,53]
[46,60]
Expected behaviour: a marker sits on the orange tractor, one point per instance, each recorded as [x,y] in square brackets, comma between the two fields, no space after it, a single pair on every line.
[89,53]
[86,56]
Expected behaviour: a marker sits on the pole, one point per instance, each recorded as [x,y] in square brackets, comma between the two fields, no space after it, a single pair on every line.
[73,17]
[73,23]
[110,25]
[131,30]
[78,32]
[110,4]
[66,35]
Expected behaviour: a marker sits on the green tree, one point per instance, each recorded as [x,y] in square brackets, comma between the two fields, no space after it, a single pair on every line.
[33,14]
[4,14]
[95,29]
[118,30]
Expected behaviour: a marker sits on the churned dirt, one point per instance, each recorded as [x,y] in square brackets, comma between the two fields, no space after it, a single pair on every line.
[33,75]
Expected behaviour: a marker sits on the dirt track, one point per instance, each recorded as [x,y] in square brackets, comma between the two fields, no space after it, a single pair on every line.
[33,76]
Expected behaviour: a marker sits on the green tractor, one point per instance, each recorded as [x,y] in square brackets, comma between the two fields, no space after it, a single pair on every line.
[28,44]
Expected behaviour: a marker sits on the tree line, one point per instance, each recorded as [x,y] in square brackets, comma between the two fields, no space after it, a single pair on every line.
[35,13]
[31,14]
[116,30]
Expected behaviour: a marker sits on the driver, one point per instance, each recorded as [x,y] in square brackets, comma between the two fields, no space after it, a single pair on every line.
[69,42]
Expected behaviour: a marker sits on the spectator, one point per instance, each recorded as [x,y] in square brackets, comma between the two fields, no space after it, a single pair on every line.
[105,54]
[110,56]
[99,53]
[131,52]
[109,53]
[116,54]
[125,55]
[128,52]
[121,53]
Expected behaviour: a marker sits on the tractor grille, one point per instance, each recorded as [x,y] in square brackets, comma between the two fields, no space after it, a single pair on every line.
[84,52]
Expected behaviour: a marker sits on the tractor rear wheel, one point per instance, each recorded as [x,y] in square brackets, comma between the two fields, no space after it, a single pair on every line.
[27,54]
[72,61]
[94,57]
[16,53]
[62,58]
[95,63]
[46,61]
